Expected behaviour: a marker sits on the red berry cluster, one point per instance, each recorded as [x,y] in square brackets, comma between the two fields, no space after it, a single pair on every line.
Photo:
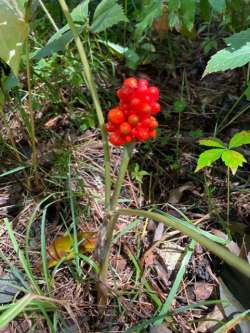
[133,119]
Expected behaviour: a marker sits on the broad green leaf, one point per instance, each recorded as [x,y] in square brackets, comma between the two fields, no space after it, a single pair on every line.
[57,45]
[151,11]
[188,13]
[233,159]
[239,139]
[107,14]
[13,33]
[61,38]
[237,53]
[218,5]
[205,9]
[208,157]
[212,142]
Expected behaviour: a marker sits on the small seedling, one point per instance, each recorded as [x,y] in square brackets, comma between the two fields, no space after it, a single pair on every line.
[231,158]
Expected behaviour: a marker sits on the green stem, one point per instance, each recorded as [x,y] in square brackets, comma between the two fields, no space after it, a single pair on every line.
[91,85]
[230,258]
[31,113]
[228,196]
[123,168]
[48,15]
[111,222]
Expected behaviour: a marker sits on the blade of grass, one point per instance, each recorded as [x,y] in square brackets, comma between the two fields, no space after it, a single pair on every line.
[179,277]
[233,322]
[74,222]
[127,229]
[15,170]
[220,251]
[21,257]
[14,311]
[189,224]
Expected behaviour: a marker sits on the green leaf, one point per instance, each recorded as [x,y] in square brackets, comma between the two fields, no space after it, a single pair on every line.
[212,142]
[116,47]
[13,33]
[237,54]
[208,157]
[7,316]
[247,92]
[150,12]
[218,5]
[188,13]
[179,106]
[205,10]
[107,14]
[233,159]
[239,139]
[58,44]
[61,38]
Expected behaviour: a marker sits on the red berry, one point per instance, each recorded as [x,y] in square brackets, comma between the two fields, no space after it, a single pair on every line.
[131,82]
[133,119]
[116,139]
[155,108]
[135,104]
[153,133]
[128,138]
[142,82]
[125,93]
[142,134]
[146,123]
[110,127]
[145,108]
[116,116]
[153,123]
[154,93]
[125,128]
[141,92]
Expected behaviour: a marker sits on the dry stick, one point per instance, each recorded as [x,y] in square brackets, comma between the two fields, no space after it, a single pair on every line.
[230,258]
[92,88]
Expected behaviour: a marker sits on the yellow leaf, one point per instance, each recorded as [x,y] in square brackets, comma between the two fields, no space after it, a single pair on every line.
[62,247]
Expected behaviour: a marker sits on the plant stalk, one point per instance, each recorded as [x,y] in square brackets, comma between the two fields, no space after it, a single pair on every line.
[92,88]
[31,113]
[230,258]
[111,220]
[228,197]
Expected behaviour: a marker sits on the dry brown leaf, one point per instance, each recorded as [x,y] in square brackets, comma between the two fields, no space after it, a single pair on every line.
[203,290]
[210,321]
[175,195]
[52,122]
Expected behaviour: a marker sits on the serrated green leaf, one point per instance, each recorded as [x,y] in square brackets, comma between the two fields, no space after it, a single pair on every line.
[239,139]
[61,38]
[151,11]
[218,5]
[107,14]
[13,33]
[212,142]
[237,53]
[233,159]
[208,157]
[188,13]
